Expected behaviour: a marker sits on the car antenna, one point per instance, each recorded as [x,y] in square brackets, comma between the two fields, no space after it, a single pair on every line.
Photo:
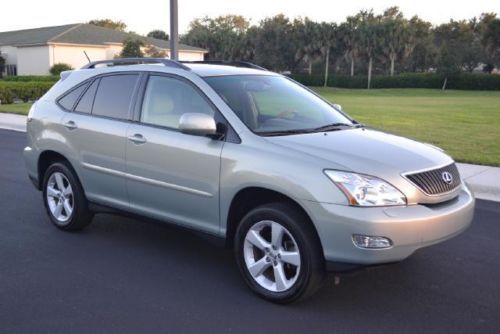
[86,55]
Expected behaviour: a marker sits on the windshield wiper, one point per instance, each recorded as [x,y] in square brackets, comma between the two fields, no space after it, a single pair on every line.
[335,126]
[284,132]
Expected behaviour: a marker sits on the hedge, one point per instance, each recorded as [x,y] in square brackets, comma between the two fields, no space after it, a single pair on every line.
[36,78]
[25,91]
[464,81]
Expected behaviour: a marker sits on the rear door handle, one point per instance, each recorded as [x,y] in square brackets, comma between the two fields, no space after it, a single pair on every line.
[70,125]
[137,138]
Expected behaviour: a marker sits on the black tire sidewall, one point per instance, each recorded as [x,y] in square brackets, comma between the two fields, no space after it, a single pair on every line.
[308,249]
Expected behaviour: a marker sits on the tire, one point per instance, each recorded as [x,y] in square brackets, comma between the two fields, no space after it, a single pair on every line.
[298,277]
[58,202]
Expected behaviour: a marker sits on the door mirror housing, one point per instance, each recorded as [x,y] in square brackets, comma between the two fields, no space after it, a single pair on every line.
[337,106]
[197,124]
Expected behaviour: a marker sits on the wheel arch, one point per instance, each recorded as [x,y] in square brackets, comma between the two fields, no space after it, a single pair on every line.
[249,198]
[45,159]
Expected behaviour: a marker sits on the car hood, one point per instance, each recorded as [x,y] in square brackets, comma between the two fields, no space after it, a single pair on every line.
[365,151]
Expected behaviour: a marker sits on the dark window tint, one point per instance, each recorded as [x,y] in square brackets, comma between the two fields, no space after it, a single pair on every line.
[68,100]
[114,95]
[87,100]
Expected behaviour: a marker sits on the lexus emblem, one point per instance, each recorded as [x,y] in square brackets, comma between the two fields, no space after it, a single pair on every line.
[447,177]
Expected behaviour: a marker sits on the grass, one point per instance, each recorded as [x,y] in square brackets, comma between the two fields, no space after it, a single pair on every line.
[20,109]
[464,123]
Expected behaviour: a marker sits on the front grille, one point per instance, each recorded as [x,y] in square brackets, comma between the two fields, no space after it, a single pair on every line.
[431,182]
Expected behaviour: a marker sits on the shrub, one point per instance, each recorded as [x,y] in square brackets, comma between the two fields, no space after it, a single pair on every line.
[27,78]
[56,69]
[465,81]
[25,91]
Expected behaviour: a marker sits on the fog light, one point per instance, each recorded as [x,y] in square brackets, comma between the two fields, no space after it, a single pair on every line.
[367,241]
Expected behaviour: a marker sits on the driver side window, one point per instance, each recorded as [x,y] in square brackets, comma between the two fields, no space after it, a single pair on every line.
[166,99]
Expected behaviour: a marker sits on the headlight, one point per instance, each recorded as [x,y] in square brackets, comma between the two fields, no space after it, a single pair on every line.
[364,190]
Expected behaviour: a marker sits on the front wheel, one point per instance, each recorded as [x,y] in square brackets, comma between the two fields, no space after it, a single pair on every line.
[278,253]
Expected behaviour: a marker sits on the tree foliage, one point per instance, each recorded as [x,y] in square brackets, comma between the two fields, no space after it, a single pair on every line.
[366,43]
[158,34]
[132,48]
[108,23]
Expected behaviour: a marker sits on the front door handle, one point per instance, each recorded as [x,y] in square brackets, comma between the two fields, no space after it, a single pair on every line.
[70,125]
[137,138]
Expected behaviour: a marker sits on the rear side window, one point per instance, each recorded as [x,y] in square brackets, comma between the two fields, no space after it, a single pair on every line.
[87,100]
[114,95]
[68,100]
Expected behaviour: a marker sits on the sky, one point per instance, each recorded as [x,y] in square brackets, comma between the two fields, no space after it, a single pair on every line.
[144,16]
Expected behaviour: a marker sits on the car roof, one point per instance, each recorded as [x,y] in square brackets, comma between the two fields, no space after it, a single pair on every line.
[210,70]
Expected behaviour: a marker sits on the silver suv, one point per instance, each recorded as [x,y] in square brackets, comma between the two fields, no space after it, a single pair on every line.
[294,185]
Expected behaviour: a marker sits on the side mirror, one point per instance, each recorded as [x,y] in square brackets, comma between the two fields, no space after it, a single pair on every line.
[197,124]
[337,106]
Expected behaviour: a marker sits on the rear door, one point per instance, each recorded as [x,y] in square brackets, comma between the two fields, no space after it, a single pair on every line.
[171,175]
[96,129]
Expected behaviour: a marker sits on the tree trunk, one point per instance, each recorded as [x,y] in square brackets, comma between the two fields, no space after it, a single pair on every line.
[310,69]
[327,63]
[444,83]
[352,65]
[393,58]
[370,64]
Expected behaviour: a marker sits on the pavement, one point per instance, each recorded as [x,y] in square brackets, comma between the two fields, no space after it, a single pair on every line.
[122,275]
[484,181]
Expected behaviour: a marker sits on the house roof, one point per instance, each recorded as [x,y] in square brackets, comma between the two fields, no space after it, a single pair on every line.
[79,34]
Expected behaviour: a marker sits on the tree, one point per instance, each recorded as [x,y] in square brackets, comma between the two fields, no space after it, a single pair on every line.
[108,23]
[447,64]
[491,41]
[277,44]
[158,34]
[327,37]
[132,48]
[370,35]
[221,36]
[348,34]
[308,41]
[421,48]
[395,36]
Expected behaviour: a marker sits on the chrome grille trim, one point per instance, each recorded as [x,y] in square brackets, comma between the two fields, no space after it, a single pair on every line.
[430,181]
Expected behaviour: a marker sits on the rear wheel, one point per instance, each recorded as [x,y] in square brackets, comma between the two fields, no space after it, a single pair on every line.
[64,199]
[278,253]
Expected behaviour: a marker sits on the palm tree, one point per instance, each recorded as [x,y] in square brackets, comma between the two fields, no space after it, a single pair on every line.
[395,35]
[348,34]
[370,35]
[327,36]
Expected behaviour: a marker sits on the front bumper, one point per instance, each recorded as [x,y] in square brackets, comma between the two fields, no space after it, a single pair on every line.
[409,227]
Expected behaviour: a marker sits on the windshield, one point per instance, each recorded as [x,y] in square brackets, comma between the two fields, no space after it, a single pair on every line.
[274,104]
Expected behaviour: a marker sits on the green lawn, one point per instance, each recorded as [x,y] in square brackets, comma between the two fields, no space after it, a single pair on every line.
[465,123]
[21,108]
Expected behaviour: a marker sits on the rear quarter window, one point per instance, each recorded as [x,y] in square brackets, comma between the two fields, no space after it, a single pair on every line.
[69,99]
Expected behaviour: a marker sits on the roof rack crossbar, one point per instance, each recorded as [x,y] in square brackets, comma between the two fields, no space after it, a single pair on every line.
[236,63]
[132,61]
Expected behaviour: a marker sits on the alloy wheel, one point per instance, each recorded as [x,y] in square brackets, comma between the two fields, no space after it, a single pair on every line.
[60,197]
[272,256]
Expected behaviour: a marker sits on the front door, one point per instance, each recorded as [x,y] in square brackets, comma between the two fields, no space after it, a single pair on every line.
[171,175]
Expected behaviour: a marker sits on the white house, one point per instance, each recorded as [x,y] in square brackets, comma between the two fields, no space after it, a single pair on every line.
[34,51]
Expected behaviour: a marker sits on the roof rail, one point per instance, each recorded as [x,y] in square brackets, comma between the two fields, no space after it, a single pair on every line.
[133,61]
[236,63]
